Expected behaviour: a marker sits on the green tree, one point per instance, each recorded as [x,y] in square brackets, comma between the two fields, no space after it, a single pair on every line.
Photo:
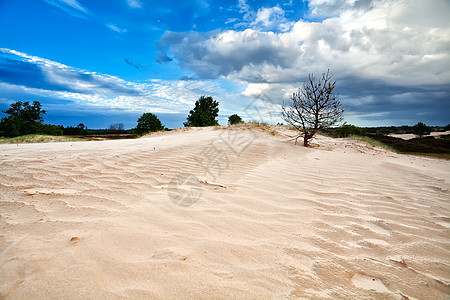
[421,129]
[22,118]
[234,119]
[148,122]
[204,113]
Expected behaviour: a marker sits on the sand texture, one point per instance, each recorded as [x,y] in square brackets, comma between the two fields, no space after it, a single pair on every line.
[222,214]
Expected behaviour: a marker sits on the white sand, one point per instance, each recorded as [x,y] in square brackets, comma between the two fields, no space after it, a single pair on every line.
[408,136]
[146,218]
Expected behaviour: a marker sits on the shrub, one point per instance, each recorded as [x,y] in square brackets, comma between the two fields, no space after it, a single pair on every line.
[347,130]
[234,119]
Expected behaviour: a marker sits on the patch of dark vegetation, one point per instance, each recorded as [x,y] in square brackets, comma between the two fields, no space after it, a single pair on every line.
[424,145]
[421,145]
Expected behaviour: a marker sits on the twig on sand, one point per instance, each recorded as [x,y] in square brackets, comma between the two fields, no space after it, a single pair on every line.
[213,184]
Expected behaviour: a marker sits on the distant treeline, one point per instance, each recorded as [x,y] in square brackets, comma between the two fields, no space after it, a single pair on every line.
[79,130]
[57,130]
[347,129]
[402,129]
[24,118]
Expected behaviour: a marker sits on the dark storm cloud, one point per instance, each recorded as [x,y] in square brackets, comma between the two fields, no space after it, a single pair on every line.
[214,54]
[374,95]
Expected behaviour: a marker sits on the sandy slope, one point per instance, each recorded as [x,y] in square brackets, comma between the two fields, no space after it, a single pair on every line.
[222,214]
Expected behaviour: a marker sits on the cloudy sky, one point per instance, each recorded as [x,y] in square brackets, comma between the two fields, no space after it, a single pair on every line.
[102,62]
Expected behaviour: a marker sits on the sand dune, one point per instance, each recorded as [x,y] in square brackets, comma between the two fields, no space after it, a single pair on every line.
[222,213]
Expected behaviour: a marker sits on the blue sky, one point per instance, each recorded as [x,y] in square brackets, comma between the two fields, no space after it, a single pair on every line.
[105,62]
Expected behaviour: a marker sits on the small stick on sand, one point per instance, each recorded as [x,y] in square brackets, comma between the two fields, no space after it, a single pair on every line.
[213,184]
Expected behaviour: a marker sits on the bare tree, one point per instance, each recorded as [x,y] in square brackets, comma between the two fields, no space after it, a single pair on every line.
[116,127]
[313,107]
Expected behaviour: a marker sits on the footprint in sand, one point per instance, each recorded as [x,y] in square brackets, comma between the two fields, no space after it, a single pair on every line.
[168,254]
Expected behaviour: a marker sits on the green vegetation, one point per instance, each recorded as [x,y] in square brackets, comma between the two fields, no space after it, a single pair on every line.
[372,142]
[22,119]
[423,146]
[148,122]
[24,124]
[347,130]
[37,138]
[234,119]
[204,113]
[48,129]
[379,136]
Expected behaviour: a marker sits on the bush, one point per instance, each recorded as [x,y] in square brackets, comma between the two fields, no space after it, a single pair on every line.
[347,130]
[234,119]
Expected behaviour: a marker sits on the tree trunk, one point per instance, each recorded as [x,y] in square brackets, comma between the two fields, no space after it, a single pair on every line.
[305,140]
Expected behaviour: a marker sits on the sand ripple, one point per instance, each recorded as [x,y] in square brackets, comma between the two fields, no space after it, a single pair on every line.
[268,220]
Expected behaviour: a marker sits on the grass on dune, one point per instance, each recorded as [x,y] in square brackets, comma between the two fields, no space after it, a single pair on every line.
[37,138]
[372,142]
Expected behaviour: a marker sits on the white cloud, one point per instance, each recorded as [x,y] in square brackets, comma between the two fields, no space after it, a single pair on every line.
[353,44]
[134,3]
[231,20]
[116,28]
[271,18]
[264,19]
[50,79]
[72,7]
[376,48]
